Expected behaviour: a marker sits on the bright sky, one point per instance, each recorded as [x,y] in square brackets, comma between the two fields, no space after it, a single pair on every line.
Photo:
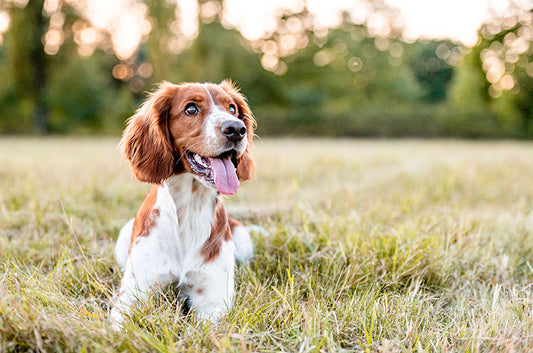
[454,19]
[126,19]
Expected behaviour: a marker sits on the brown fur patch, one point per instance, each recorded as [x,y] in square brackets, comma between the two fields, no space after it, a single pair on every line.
[195,185]
[220,232]
[146,140]
[146,217]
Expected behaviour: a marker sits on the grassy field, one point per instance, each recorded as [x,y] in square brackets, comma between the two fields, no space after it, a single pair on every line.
[373,245]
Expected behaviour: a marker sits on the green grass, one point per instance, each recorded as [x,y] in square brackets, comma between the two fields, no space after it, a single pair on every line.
[373,246]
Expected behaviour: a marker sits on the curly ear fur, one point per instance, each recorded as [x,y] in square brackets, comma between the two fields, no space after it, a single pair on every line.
[146,140]
[245,164]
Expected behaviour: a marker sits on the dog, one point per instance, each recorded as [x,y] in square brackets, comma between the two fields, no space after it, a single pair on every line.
[194,142]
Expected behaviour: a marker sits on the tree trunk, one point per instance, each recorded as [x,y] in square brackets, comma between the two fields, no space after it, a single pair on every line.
[27,60]
[38,59]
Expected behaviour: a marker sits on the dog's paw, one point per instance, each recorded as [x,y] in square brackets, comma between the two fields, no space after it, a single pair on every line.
[116,317]
[211,313]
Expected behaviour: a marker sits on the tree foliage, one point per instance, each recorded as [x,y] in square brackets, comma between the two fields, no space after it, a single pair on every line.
[299,79]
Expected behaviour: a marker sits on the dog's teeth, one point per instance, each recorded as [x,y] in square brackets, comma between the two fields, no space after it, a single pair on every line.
[198,159]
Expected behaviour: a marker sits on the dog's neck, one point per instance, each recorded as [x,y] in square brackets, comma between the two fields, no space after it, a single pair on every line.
[195,205]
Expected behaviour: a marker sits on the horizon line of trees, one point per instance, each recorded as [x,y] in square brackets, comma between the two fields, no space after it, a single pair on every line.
[299,80]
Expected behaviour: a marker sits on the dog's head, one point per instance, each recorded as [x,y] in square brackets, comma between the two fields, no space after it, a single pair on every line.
[203,129]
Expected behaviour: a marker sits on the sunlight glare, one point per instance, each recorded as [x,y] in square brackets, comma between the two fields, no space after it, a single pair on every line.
[255,18]
[128,22]
[4,22]
[127,27]
[51,6]
[458,20]
[329,13]
[188,17]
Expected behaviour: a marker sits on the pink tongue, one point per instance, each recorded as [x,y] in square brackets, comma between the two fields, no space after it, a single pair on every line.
[225,175]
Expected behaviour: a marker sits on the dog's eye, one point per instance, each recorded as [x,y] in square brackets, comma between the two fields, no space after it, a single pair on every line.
[232,109]
[191,109]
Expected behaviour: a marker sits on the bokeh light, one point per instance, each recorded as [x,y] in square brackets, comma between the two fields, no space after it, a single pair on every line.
[374,46]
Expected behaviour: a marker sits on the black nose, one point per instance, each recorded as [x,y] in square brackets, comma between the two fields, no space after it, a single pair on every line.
[234,130]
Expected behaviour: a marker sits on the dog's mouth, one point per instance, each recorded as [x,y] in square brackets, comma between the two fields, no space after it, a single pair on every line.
[220,171]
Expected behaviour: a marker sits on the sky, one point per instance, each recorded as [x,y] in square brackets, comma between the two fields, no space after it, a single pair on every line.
[453,19]
[457,20]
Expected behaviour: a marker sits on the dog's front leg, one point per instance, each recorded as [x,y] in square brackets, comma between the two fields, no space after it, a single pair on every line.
[130,293]
[210,289]
[144,272]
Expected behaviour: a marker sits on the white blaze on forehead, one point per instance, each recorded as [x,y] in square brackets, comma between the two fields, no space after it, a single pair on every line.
[215,108]
[209,95]
[216,117]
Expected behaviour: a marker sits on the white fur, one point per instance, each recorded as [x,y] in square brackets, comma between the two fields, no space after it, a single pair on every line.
[215,119]
[123,244]
[244,247]
[170,254]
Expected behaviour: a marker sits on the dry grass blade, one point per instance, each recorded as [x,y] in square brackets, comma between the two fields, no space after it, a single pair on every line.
[382,246]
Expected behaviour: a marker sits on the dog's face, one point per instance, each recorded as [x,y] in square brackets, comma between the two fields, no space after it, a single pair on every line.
[203,129]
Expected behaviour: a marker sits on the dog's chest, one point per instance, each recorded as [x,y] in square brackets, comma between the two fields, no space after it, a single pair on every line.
[194,209]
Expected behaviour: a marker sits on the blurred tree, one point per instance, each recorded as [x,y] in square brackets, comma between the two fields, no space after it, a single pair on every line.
[511,85]
[27,61]
[165,29]
[469,88]
[431,69]
[217,54]
[79,95]
[357,79]
[50,83]
[498,72]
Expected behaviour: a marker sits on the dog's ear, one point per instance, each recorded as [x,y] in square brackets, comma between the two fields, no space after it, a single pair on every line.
[246,163]
[146,140]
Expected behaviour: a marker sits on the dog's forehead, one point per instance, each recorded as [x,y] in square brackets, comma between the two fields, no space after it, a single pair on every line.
[205,93]
[191,92]
[217,93]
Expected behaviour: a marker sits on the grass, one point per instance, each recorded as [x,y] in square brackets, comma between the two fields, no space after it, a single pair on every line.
[382,246]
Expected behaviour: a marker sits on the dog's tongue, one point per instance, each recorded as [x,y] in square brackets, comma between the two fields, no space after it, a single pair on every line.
[225,175]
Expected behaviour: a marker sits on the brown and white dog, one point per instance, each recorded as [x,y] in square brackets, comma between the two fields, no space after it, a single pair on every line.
[193,142]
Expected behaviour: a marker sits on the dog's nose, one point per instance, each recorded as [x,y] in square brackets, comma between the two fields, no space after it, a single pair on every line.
[234,130]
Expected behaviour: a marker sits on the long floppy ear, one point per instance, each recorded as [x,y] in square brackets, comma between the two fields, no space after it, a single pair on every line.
[245,164]
[146,140]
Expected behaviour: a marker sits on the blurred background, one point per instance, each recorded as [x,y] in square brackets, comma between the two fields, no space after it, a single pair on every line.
[380,68]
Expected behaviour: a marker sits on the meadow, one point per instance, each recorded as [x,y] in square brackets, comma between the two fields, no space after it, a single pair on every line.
[370,245]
